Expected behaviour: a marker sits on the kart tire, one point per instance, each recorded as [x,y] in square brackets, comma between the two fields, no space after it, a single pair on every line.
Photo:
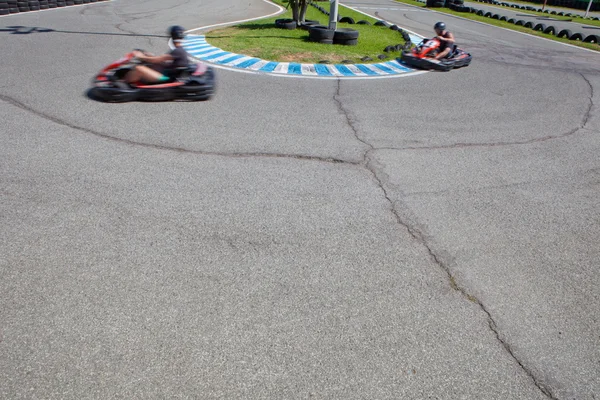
[382,23]
[503,18]
[363,22]
[487,14]
[347,20]
[550,30]
[480,13]
[576,36]
[345,34]
[495,16]
[528,24]
[114,95]
[592,39]
[520,22]
[540,27]
[395,28]
[565,33]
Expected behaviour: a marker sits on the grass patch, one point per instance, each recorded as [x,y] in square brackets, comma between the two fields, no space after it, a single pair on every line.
[263,40]
[577,20]
[504,24]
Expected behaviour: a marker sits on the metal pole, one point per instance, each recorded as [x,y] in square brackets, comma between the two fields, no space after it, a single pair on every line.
[333,14]
[544,6]
[588,9]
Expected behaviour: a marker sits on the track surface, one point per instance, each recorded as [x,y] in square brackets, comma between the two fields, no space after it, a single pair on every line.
[430,237]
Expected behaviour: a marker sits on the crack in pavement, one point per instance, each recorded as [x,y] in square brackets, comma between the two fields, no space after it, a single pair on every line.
[368,163]
[17,103]
[437,259]
[586,117]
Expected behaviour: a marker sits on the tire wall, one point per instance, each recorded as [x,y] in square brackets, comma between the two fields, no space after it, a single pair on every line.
[20,6]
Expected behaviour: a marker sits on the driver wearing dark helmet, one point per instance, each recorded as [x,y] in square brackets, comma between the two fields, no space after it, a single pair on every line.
[161,68]
[446,40]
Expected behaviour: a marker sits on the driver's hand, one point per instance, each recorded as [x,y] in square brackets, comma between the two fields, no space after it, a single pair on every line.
[138,54]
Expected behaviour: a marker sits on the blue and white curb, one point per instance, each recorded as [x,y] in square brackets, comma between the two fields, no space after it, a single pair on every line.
[198,48]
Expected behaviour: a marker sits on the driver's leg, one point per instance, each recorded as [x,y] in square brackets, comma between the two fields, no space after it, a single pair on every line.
[141,73]
[443,53]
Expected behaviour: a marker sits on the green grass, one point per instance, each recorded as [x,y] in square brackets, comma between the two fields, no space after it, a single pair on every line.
[504,24]
[263,40]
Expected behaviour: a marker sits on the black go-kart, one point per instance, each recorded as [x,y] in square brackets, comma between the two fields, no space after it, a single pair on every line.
[193,83]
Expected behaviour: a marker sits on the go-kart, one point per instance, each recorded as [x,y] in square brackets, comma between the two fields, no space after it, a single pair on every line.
[423,56]
[192,83]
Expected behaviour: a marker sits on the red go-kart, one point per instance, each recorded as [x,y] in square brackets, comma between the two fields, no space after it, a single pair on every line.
[423,56]
[194,82]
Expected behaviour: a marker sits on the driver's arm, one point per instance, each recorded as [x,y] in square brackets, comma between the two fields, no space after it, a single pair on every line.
[449,39]
[156,59]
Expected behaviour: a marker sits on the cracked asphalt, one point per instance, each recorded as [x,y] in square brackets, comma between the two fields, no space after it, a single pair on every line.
[434,236]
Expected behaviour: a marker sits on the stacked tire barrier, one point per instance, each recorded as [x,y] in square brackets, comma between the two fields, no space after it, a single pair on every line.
[19,6]
[546,28]
[350,36]
[575,4]
[531,8]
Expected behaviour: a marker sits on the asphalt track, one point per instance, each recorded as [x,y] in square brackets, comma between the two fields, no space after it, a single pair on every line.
[435,236]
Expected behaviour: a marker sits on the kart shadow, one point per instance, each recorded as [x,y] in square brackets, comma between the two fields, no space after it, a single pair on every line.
[27,30]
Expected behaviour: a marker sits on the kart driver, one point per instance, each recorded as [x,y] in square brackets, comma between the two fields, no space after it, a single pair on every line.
[446,40]
[162,68]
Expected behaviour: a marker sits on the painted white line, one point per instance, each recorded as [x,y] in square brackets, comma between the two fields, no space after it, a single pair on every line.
[57,8]
[279,11]
[355,70]
[308,69]
[257,66]
[506,29]
[238,61]
[281,68]
[251,71]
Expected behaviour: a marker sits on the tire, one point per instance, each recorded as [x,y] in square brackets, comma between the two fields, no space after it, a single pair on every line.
[346,42]
[503,18]
[520,22]
[480,12]
[34,8]
[395,28]
[363,22]
[23,9]
[345,34]
[347,20]
[389,49]
[4,11]
[592,39]
[13,10]
[459,2]
[326,41]
[381,23]
[576,36]
[495,16]
[511,21]
[487,14]
[550,30]
[438,4]
[565,33]
[289,24]
[319,33]
[539,27]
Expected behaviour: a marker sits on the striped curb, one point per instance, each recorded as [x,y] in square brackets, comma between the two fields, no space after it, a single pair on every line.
[198,48]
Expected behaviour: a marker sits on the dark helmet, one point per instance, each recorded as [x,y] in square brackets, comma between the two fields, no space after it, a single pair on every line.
[176,32]
[440,26]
